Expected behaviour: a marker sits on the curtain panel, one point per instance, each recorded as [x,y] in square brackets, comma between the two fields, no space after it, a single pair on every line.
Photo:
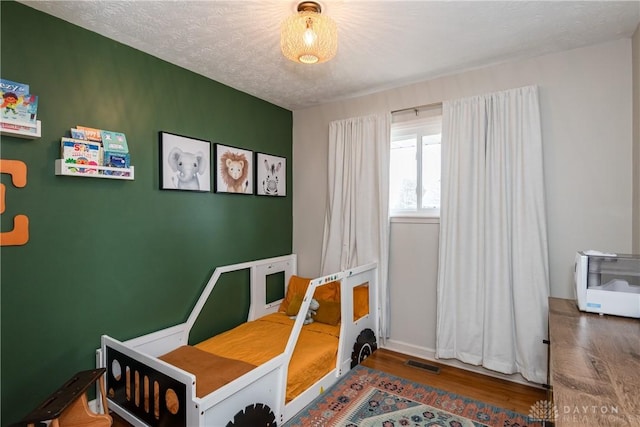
[356,229]
[493,274]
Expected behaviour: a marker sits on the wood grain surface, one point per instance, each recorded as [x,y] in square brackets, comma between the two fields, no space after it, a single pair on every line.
[510,395]
[594,366]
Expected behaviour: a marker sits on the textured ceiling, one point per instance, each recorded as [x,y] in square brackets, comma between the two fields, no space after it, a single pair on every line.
[382,44]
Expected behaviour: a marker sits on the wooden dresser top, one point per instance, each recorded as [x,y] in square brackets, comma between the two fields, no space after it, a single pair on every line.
[594,366]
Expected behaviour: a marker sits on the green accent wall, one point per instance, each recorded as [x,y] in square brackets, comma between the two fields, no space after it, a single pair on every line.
[114,257]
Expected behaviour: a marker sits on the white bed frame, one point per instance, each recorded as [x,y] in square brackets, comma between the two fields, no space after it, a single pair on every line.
[264,385]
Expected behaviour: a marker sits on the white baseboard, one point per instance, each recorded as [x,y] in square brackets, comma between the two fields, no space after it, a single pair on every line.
[430,354]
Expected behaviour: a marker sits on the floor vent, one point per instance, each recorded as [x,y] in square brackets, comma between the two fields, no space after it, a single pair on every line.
[425,366]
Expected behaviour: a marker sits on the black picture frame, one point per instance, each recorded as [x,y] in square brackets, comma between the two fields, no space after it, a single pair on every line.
[185,163]
[234,170]
[271,175]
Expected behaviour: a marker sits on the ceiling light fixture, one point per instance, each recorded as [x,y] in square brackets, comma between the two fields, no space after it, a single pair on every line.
[309,37]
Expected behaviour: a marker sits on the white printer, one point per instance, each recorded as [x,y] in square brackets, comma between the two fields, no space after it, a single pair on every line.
[608,283]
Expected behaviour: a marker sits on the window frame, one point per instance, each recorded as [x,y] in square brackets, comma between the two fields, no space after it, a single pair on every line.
[419,128]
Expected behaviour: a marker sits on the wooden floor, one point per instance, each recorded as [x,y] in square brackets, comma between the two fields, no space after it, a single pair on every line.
[498,392]
[505,394]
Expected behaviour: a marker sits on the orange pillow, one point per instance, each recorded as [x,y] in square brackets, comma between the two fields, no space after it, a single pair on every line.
[294,305]
[328,312]
[298,286]
[328,292]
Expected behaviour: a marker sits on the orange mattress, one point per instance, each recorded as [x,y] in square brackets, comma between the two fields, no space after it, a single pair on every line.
[258,341]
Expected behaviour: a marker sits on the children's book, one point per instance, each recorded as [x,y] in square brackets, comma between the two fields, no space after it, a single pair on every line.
[30,102]
[117,160]
[78,134]
[14,87]
[116,151]
[19,108]
[81,153]
[16,103]
[114,142]
[91,134]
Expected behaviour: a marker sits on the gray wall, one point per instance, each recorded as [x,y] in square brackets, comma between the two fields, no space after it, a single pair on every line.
[586,107]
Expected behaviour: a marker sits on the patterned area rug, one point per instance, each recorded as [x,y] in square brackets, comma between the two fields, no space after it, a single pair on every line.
[370,398]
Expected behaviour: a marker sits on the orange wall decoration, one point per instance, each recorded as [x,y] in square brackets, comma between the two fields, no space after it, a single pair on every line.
[20,233]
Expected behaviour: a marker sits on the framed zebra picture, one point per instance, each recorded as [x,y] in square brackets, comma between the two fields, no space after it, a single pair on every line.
[271,175]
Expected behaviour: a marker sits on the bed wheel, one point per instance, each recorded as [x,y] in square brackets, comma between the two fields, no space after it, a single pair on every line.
[257,415]
[365,346]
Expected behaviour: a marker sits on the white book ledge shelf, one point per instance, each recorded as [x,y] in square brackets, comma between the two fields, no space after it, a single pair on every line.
[21,129]
[72,169]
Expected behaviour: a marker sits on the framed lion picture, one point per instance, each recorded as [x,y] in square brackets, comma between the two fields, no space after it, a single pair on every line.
[234,170]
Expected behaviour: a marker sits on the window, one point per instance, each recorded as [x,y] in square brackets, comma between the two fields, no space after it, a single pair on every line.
[414,176]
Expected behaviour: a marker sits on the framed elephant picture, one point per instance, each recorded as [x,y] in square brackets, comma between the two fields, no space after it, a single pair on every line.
[234,170]
[185,163]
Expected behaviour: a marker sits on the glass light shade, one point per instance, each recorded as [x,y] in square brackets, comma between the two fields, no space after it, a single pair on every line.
[309,37]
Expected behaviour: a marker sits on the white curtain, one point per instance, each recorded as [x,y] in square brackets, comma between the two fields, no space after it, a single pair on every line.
[356,229]
[493,274]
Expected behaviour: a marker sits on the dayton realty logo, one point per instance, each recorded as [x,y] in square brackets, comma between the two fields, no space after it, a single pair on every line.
[583,413]
[543,410]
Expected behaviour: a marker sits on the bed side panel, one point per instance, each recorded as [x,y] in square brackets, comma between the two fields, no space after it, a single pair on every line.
[350,328]
[155,393]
